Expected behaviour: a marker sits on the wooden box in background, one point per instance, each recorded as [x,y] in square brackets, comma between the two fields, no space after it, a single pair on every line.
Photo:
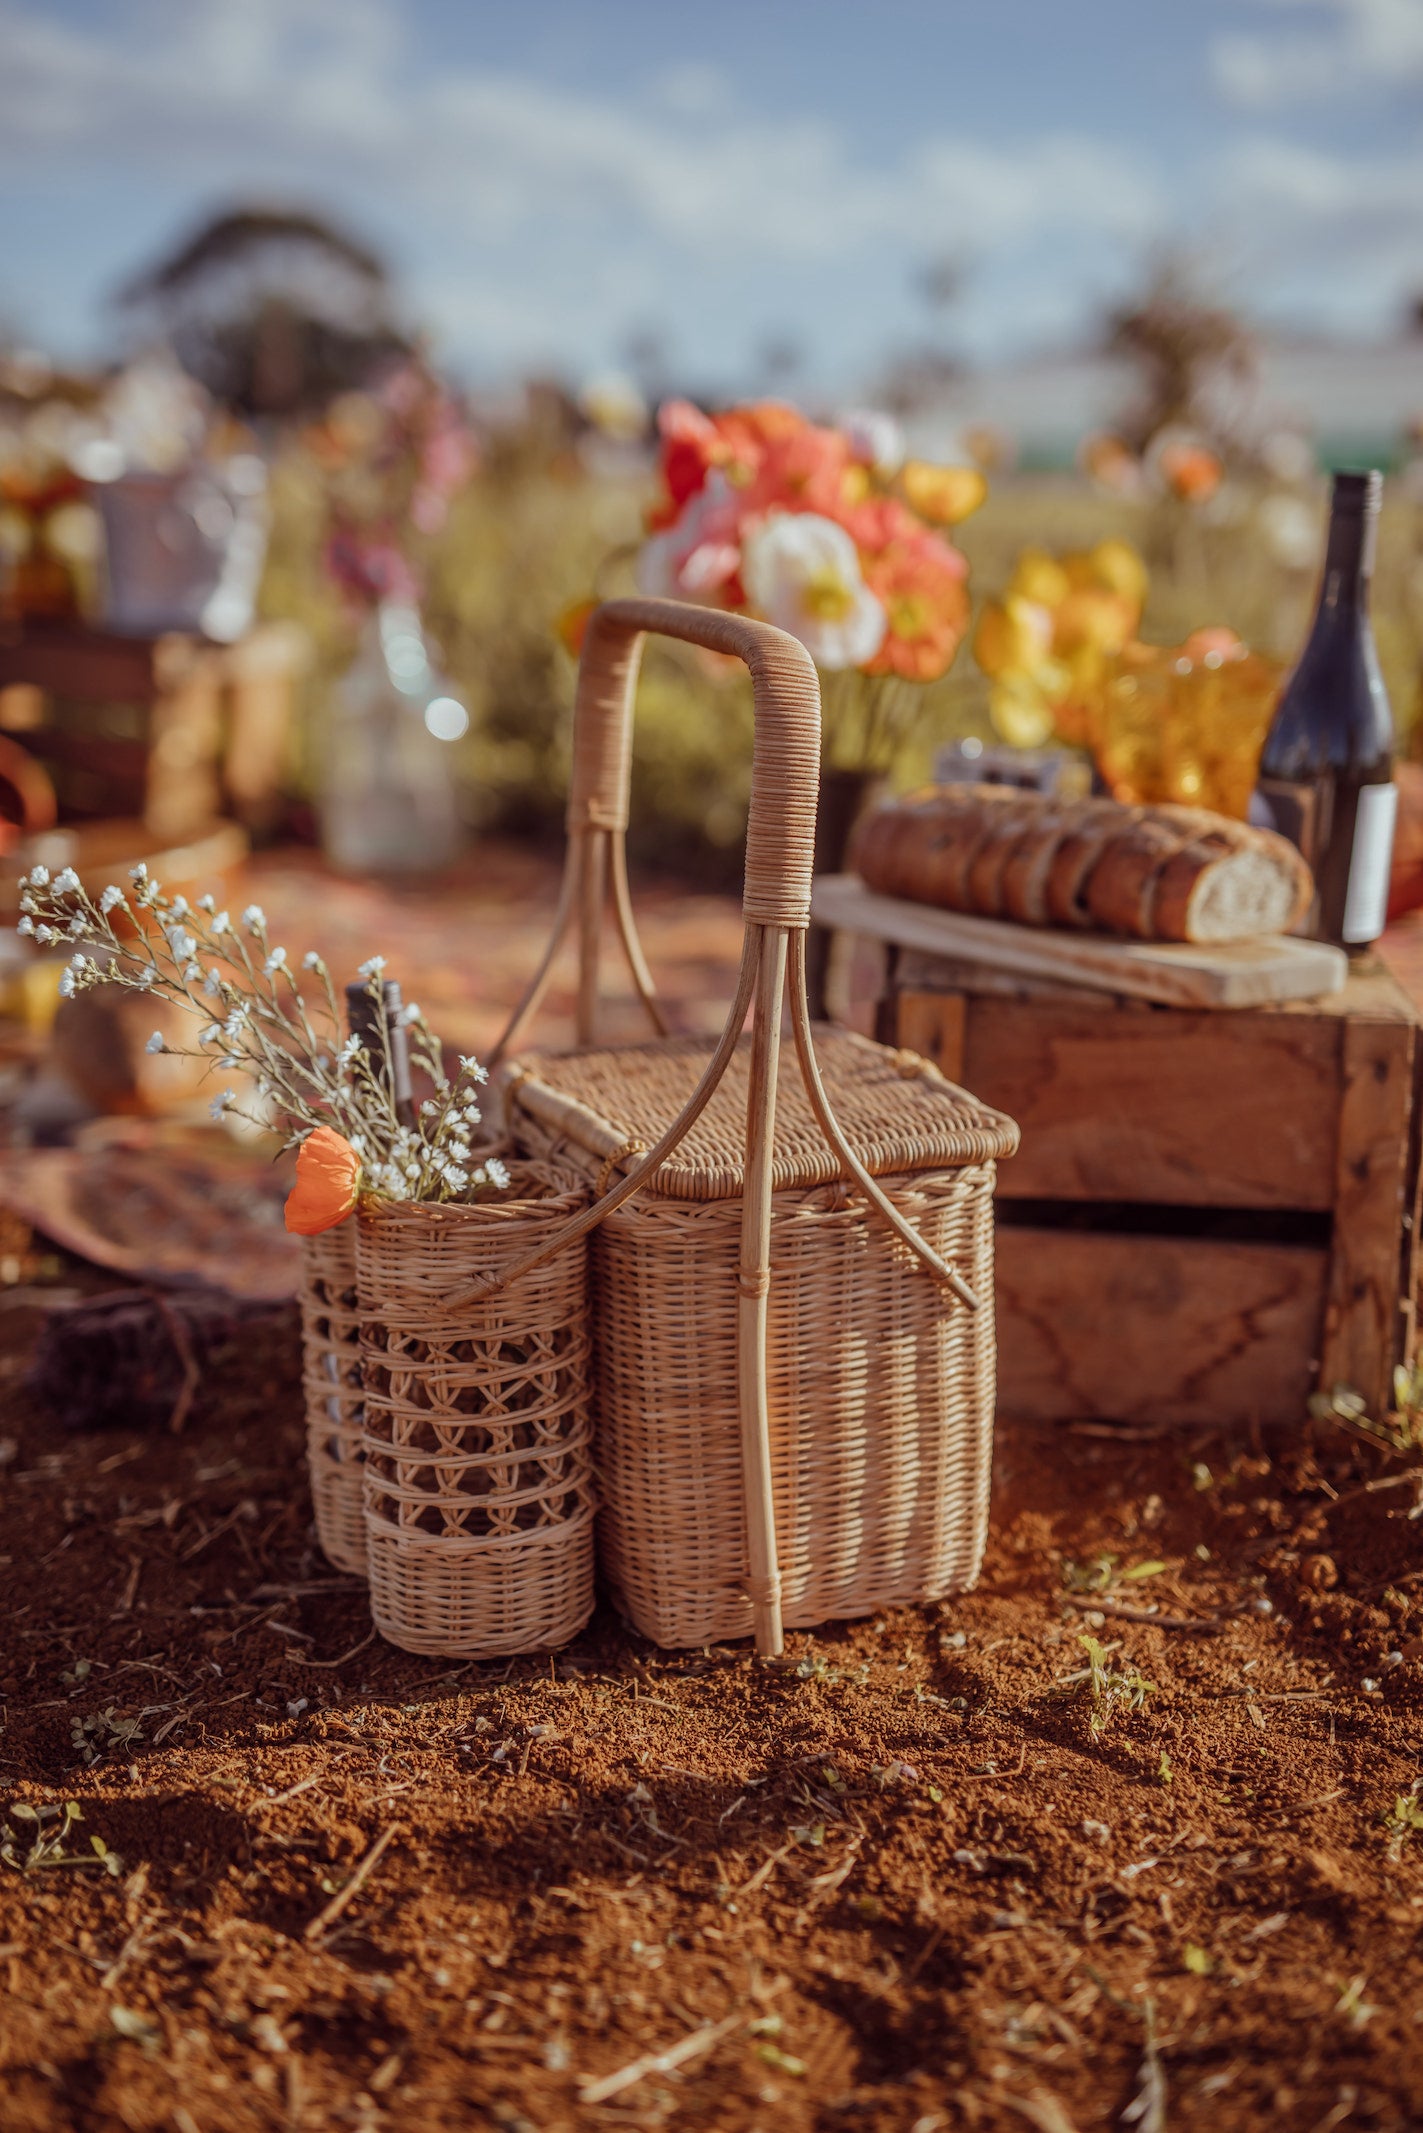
[1211,1214]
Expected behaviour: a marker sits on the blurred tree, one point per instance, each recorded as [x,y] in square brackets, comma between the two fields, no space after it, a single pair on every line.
[273,311]
[1182,346]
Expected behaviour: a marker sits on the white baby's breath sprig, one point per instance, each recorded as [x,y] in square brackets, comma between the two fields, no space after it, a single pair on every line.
[254,1018]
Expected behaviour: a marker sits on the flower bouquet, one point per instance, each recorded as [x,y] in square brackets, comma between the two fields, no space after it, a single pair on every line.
[480,1511]
[833,534]
[830,532]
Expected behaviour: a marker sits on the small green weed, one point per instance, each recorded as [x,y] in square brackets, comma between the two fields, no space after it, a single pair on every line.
[1111,1687]
[47,1830]
[1399,1432]
[101,1730]
[1404,1820]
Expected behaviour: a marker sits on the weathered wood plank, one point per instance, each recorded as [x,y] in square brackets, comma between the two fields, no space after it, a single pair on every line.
[1366,1320]
[1230,974]
[1158,1107]
[932,1023]
[1155,1329]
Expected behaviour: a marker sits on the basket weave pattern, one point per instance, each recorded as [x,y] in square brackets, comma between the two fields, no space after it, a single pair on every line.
[478,1475]
[331,1382]
[881,1404]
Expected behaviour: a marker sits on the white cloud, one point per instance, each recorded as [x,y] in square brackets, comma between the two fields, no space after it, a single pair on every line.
[539,222]
[1300,216]
[1341,48]
[628,203]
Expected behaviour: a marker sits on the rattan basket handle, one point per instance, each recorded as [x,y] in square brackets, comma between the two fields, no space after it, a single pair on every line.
[785,769]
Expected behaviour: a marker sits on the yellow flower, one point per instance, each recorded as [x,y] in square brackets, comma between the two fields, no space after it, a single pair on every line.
[1039,577]
[1021,713]
[1117,565]
[1013,635]
[943,495]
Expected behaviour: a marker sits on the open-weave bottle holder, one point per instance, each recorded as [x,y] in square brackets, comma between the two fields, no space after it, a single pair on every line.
[478,1469]
[331,1383]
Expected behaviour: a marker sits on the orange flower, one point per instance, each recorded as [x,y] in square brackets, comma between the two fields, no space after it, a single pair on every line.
[328,1176]
[572,626]
[920,585]
[1190,472]
[809,469]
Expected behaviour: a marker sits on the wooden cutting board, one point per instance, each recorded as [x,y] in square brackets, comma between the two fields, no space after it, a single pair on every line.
[1177,974]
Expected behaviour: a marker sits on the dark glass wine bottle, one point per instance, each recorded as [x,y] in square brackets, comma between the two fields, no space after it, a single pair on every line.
[1326,771]
[363,1018]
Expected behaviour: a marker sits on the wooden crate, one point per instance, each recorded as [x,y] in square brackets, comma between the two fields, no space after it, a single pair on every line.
[1211,1213]
[173,728]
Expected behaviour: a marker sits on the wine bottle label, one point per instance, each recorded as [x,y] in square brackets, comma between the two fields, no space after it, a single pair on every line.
[1294,811]
[1366,898]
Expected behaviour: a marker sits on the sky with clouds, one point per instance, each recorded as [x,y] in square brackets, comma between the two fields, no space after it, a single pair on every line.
[552,178]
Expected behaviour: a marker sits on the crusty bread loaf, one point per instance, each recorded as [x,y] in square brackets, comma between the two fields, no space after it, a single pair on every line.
[1152,873]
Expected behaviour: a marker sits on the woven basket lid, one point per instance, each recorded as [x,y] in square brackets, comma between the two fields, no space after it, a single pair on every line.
[898,1111]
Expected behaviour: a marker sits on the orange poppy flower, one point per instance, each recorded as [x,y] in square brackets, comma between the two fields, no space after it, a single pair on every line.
[920,585]
[328,1177]
[1190,472]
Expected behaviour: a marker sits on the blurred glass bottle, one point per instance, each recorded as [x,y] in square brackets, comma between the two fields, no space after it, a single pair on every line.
[386,784]
[1326,770]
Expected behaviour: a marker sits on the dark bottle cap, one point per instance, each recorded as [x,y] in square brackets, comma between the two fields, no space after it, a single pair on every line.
[1359,493]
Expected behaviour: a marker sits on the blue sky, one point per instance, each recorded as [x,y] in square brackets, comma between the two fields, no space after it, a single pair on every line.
[549,178]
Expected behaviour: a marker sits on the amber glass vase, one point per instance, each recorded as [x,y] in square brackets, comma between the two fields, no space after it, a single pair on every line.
[1167,725]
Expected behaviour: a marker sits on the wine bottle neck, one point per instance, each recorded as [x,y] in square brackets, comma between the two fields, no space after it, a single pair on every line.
[1349,552]
[378,1025]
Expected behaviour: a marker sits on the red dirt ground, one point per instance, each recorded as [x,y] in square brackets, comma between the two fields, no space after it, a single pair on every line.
[899,1876]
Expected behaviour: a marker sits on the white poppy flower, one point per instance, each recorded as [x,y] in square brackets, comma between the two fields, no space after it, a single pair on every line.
[875,438]
[221,1102]
[155,1042]
[311,960]
[39,877]
[222,923]
[110,899]
[372,968]
[275,961]
[496,1173]
[25,925]
[254,918]
[66,881]
[66,986]
[802,572]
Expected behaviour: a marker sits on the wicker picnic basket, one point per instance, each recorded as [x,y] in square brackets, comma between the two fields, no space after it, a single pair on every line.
[331,1383]
[793,1417]
[478,1522]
